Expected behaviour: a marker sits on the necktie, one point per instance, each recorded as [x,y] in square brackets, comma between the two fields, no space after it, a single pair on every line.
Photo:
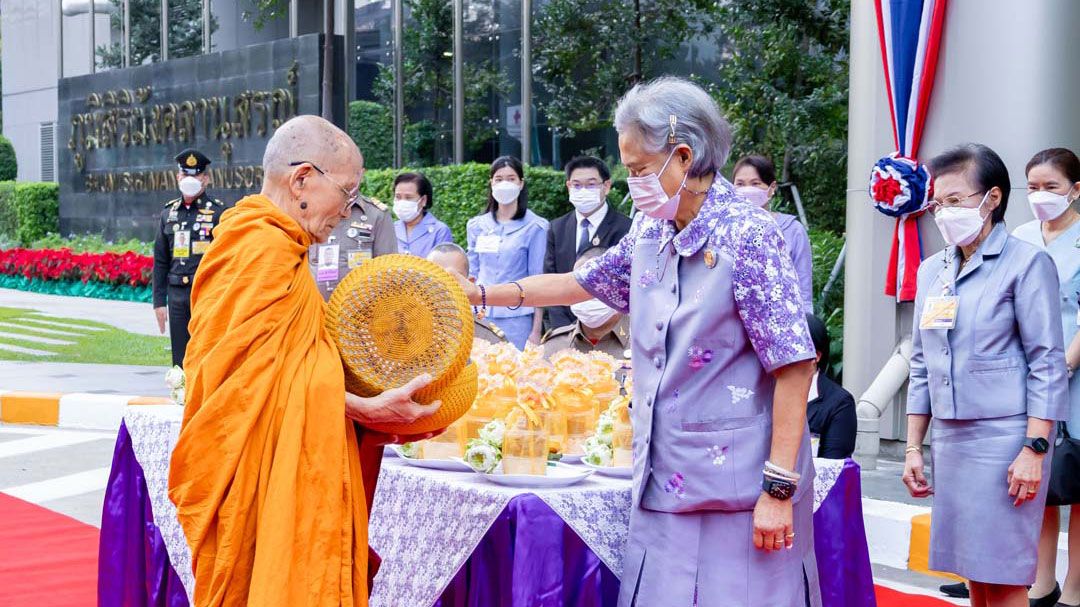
[583,240]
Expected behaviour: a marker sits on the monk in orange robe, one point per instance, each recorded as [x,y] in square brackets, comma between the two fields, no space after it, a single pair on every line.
[271,486]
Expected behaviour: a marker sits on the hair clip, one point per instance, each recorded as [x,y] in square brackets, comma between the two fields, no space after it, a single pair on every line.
[672,121]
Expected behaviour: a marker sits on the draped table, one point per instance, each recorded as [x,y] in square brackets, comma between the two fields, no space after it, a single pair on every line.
[447,539]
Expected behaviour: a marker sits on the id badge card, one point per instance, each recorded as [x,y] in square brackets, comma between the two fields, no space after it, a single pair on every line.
[815,444]
[199,247]
[488,243]
[939,312]
[327,270]
[358,256]
[181,244]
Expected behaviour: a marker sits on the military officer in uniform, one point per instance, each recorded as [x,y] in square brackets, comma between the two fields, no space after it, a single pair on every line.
[367,233]
[452,257]
[183,235]
[596,327]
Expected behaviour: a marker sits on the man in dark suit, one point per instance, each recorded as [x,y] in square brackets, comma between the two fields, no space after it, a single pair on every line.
[592,223]
[830,410]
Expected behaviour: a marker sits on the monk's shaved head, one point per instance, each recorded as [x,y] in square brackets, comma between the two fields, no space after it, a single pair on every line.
[311,139]
[312,170]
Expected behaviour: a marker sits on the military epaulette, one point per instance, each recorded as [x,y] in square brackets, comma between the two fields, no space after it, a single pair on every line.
[377,203]
[557,331]
[173,201]
[217,202]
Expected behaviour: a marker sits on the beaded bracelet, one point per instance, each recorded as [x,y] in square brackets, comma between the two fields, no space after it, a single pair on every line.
[521,296]
[483,303]
[772,469]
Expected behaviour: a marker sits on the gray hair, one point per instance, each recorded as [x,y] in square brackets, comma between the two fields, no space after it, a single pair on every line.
[311,139]
[647,110]
[447,247]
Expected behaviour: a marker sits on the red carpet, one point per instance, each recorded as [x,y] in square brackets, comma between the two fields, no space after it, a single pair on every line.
[887,597]
[46,559]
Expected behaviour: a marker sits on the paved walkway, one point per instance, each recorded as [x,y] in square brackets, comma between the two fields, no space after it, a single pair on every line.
[127,315]
[75,377]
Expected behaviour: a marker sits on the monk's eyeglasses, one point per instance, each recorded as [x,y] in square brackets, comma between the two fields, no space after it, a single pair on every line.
[350,196]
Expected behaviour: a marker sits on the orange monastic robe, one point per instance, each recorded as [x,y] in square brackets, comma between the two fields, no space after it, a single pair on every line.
[266,476]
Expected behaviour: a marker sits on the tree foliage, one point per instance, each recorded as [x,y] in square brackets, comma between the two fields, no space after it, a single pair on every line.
[428,76]
[784,87]
[185,32]
[587,53]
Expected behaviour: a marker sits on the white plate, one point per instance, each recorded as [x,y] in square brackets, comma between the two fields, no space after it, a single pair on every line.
[571,459]
[620,472]
[558,475]
[451,465]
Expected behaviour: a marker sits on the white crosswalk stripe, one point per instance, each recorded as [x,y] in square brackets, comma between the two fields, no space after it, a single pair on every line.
[60,487]
[55,440]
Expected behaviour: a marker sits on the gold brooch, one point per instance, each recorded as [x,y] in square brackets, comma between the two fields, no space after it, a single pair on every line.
[710,259]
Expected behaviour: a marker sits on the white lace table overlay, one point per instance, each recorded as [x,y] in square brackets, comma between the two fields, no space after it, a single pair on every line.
[424,523]
[154,431]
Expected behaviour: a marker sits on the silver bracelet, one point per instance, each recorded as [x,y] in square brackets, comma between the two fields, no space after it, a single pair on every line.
[772,469]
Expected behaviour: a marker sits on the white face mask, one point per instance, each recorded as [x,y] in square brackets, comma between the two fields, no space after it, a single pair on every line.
[592,313]
[190,186]
[586,200]
[505,192]
[960,225]
[407,210]
[1047,206]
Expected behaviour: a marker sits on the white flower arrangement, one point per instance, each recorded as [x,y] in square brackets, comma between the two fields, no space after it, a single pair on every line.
[177,383]
[410,450]
[605,428]
[484,454]
[597,452]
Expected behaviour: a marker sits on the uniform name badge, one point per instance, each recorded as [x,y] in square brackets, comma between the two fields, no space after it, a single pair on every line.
[328,263]
[488,243]
[181,244]
[939,312]
[199,247]
[359,256]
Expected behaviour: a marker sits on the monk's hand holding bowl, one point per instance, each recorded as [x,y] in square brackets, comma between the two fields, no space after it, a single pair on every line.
[394,406]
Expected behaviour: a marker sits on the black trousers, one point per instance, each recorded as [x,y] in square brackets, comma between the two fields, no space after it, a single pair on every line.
[179,299]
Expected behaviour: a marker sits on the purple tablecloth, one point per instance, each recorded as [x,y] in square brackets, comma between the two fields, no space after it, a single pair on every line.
[528,558]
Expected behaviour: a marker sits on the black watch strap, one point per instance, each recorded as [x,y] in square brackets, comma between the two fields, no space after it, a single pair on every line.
[780,489]
[1037,444]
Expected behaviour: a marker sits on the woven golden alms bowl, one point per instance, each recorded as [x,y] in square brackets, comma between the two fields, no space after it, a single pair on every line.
[456,399]
[396,317]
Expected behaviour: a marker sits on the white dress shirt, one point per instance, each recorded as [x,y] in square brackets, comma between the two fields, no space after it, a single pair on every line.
[594,222]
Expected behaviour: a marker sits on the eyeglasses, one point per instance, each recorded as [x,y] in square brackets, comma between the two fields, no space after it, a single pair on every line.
[350,195]
[587,185]
[950,202]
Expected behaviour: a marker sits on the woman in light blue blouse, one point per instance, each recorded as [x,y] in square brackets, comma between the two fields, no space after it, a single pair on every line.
[507,243]
[417,230]
[1053,178]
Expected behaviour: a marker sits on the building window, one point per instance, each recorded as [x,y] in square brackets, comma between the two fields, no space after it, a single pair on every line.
[48,151]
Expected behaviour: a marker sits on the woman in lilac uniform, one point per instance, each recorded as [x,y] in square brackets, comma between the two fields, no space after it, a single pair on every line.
[988,366]
[722,500]
[755,180]
[417,230]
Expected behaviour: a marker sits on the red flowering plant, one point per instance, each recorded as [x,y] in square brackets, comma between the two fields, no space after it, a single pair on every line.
[117,269]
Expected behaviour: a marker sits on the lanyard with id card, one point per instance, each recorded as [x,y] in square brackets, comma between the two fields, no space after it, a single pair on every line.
[488,243]
[181,244]
[327,270]
[939,312]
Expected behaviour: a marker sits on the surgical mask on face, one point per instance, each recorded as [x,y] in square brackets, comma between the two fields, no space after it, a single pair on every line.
[406,210]
[593,313]
[1047,206]
[649,196]
[190,186]
[754,195]
[505,192]
[960,225]
[586,200]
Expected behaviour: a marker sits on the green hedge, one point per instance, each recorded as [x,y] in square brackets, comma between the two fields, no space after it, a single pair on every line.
[37,210]
[369,126]
[9,166]
[9,223]
[461,192]
[826,247]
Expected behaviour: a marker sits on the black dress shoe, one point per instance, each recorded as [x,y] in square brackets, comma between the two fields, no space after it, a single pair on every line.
[958,590]
[1049,600]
